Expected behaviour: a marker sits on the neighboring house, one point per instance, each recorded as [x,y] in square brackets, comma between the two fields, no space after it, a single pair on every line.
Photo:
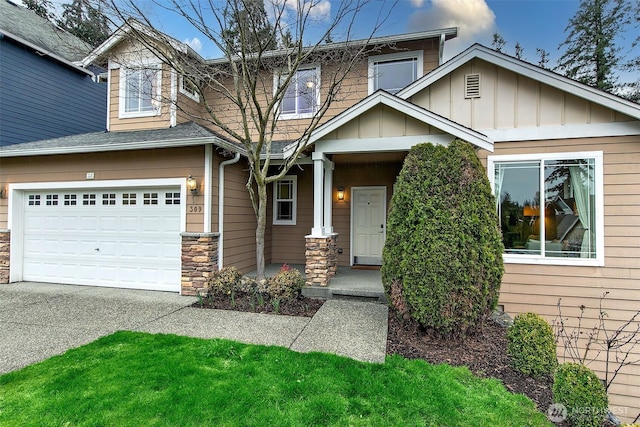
[116,208]
[44,92]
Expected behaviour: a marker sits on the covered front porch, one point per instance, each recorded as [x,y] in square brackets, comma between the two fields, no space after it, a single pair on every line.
[348,283]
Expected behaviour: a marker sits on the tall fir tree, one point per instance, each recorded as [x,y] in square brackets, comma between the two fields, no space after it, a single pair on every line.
[248,27]
[85,21]
[591,55]
[42,8]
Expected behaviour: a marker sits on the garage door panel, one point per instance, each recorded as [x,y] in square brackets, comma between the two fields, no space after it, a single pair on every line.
[138,245]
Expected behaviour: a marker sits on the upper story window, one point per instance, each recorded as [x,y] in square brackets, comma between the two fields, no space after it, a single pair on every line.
[140,91]
[285,193]
[188,88]
[550,207]
[394,71]
[302,98]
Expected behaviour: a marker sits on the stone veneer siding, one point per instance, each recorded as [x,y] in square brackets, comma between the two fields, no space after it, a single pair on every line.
[321,259]
[4,255]
[199,260]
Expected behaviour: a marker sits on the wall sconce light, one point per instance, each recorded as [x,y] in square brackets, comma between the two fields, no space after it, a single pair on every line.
[2,193]
[341,193]
[192,185]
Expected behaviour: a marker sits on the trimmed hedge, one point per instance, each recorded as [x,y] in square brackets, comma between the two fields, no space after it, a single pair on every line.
[442,260]
[531,345]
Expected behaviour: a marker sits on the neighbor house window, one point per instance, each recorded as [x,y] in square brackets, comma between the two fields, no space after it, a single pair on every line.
[550,207]
[394,71]
[284,200]
[140,91]
[302,97]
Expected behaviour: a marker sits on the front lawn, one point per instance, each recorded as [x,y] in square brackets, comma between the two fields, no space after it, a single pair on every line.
[138,379]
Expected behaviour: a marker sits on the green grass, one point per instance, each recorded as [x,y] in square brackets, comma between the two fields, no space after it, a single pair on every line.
[137,379]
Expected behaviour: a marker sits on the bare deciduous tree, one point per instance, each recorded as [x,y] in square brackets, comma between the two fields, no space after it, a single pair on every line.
[244,93]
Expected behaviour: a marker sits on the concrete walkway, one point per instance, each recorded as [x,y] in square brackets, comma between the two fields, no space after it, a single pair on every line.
[38,321]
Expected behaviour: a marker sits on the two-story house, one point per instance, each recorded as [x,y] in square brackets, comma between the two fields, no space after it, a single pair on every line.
[44,92]
[159,201]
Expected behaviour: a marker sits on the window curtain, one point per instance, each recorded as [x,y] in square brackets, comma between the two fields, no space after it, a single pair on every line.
[580,181]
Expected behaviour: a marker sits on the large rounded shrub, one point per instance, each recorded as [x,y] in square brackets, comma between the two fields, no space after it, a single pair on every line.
[442,260]
[579,389]
[531,345]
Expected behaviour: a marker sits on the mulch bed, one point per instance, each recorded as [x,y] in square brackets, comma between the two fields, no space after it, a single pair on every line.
[485,353]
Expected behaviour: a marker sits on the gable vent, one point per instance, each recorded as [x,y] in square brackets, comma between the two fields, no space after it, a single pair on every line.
[472,86]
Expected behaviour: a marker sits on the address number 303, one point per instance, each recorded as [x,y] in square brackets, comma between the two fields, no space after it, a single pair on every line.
[195,209]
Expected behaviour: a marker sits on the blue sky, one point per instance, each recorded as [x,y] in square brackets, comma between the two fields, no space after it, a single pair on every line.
[532,23]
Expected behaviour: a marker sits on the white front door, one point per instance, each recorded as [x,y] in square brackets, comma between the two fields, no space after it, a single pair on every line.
[368,224]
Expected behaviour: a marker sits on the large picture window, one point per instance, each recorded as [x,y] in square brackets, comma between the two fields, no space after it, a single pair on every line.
[284,200]
[394,71]
[140,91]
[302,96]
[549,207]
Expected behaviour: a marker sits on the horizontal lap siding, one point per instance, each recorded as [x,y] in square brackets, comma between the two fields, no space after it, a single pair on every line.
[288,241]
[538,288]
[140,164]
[239,220]
[41,99]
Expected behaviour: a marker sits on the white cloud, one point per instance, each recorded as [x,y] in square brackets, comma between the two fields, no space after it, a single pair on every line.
[194,44]
[474,19]
[417,3]
[319,10]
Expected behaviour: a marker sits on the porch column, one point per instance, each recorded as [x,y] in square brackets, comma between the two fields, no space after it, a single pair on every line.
[318,193]
[328,197]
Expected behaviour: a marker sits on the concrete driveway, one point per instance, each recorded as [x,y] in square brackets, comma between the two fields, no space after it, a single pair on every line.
[38,321]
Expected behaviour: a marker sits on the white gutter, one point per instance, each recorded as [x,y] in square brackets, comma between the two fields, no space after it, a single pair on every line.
[235,159]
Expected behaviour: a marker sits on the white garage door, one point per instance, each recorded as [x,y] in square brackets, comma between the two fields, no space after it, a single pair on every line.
[126,238]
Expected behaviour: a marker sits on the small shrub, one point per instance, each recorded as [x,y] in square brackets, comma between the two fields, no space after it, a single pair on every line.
[580,390]
[286,284]
[531,345]
[225,281]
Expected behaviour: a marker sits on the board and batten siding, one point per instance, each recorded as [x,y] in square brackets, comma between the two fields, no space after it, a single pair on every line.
[41,98]
[537,288]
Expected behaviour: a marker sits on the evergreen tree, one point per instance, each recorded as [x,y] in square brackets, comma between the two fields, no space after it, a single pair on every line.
[85,21]
[42,8]
[544,57]
[591,55]
[248,28]
[519,51]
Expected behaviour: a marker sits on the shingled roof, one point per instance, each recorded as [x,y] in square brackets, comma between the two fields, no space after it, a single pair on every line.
[23,25]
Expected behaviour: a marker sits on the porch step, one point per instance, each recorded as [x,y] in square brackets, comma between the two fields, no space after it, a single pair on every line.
[328,292]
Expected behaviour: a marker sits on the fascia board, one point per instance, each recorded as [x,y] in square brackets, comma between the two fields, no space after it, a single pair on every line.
[528,70]
[124,147]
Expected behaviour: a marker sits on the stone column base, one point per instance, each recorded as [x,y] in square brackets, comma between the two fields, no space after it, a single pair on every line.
[321,259]
[199,260]
[5,238]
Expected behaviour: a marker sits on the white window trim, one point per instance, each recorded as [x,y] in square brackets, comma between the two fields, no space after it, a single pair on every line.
[294,208]
[417,54]
[123,91]
[276,82]
[598,261]
[191,95]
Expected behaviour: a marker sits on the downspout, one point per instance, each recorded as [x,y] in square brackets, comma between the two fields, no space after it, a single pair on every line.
[235,159]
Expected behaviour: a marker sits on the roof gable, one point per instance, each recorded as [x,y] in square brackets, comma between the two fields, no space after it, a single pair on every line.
[525,69]
[382,98]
